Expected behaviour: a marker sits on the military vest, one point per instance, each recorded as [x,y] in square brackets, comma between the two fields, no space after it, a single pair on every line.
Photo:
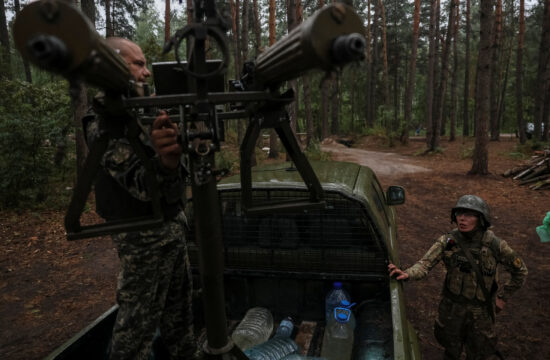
[461,280]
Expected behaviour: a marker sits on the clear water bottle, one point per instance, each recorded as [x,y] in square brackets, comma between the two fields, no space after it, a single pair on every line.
[285,327]
[338,338]
[275,348]
[255,328]
[343,307]
[333,299]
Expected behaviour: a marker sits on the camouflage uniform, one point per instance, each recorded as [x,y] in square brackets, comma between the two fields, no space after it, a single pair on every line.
[154,285]
[464,319]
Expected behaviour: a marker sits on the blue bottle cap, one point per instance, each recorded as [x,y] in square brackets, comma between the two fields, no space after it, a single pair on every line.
[342,318]
[345,303]
[337,285]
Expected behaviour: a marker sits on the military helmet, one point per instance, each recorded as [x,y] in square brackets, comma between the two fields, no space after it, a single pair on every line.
[473,202]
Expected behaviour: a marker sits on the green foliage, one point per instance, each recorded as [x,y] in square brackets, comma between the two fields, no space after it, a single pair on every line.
[467,152]
[227,159]
[314,152]
[34,119]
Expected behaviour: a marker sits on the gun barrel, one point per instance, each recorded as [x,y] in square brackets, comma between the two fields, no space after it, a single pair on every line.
[331,36]
[57,37]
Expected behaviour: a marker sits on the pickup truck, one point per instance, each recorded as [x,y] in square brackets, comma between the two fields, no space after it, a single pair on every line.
[287,262]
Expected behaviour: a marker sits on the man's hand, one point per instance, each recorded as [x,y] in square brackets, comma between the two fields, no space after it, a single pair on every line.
[165,140]
[397,272]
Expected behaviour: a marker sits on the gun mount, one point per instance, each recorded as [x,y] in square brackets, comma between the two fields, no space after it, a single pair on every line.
[45,33]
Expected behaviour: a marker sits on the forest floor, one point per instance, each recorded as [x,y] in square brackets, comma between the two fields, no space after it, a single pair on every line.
[51,288]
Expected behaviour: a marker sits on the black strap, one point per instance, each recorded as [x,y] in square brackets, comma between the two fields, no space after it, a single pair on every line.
[480,279]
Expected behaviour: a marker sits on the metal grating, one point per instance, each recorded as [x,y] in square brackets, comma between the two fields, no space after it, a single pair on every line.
[339,239]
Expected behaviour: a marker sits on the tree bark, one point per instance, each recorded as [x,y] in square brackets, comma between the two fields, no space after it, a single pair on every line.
[412,74]
[543,78]
[519,74]
[335,106]
[373,71]
[480,162]
[257,29]
[5,68]
[26,65]
[495,71]
[438,119]
[109,30]
[454,81]
[166,20]
[273,143]
[430,75]
[466,98]
[385,76]
[368,65]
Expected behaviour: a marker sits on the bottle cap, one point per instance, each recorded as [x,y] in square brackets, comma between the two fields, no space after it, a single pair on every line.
[337,285]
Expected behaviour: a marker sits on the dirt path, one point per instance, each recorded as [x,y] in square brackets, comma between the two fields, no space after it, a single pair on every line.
[383,163]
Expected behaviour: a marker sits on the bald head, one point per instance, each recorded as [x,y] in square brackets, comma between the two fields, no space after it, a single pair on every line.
[133,55]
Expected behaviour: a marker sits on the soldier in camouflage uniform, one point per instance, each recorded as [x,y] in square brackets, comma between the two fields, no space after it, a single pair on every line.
[466,316]
[154,285]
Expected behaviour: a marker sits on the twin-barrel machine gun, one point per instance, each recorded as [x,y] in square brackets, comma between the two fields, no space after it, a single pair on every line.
[57,37]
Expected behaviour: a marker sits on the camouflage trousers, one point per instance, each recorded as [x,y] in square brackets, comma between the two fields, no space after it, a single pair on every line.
[463,326]
[154,293]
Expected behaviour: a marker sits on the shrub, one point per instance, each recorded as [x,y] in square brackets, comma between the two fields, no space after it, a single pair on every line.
[32,119]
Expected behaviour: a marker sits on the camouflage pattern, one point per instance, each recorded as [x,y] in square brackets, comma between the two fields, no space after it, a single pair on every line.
[154,289]
[464,320]
[153,293]
[465,326]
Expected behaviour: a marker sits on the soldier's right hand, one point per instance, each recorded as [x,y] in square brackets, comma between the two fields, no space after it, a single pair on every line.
[165,140]
[397,272]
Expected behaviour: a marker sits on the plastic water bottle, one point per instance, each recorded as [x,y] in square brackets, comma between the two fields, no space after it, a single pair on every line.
[301,357]
[285,327]
[343,307]
[338,338]
[255,328]
[278,346]
[333,299]
[275,348]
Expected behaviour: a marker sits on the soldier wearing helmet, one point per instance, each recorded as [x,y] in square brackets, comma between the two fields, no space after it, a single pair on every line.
[471,295]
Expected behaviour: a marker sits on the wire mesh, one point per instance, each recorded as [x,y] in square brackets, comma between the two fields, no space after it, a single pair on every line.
[338,239]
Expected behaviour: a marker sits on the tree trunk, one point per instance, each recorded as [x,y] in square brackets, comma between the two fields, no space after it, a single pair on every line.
[291,24]
[234,8]
[430,75]
[480,162]
[335,106]
[257,29]
[519,74]
[495,71]
[454,78]
[368,63]
[273,143]
[385,76]
[466,99]
[310,130]
[412,74]
[444,74]
[189,11]
[166,20]
[109,30]
[244,31]
[373,71]
[5,68]
[543,73]
[26,65]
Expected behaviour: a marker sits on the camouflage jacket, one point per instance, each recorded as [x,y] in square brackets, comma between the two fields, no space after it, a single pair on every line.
[121,164]
[487,250]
